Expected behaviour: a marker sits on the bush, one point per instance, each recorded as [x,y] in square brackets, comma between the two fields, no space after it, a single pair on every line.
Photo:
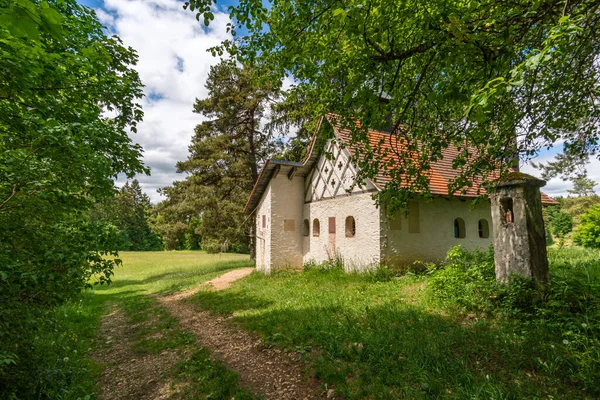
[467,280]
[566,311]
[588,234]
[212,246]
[52,360]
[560,223]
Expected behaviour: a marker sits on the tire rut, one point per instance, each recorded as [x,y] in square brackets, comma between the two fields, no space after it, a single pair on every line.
[271,372]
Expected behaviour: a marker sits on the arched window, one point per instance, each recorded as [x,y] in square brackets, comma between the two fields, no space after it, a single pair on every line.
[484,228]
[305,228]
[316,227]
[350,226]
[459,228]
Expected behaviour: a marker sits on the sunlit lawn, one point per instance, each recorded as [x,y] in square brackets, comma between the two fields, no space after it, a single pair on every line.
[152,329]
[169,271]
[380,340]
[362,335]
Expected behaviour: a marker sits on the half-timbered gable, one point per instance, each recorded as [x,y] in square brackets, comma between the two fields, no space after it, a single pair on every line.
[315,211]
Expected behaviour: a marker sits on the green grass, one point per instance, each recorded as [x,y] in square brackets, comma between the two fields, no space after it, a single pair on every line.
[366,336]
[382,340]
[152,328]
[166,272]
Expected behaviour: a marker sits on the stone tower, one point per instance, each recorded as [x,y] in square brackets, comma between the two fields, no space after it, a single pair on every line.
[519,237]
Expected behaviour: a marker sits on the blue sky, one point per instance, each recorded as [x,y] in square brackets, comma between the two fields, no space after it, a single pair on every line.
[173,65]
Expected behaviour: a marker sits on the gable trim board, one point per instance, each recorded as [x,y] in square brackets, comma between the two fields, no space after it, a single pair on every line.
[322,187]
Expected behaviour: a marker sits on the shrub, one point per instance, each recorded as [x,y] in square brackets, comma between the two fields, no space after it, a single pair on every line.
[560,223]
[566,311]
[588,234]
[212,246]
[467,280]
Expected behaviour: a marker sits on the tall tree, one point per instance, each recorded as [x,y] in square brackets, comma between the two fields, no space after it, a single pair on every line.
[473,74]
[583,186]
[174,218]
[226,153]
[129,211]
[291,116]
[59,74]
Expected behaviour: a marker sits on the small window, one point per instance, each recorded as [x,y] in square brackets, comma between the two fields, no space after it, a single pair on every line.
[484,228]
[414,225]
[305,227]
[264,221]
[289,225]
[350,226]
[331,224]
[316,228]
[459,228]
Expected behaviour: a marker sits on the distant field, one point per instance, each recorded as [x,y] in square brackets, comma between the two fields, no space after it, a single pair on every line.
[170,271]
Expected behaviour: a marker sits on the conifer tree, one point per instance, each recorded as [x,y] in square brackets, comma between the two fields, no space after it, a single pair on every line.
[129,212]
[226,154]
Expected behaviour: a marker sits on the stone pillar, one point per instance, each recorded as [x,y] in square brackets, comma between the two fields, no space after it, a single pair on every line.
[519,236]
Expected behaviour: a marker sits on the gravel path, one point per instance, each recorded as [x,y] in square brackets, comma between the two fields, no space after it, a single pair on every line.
[271,372]
[224,281]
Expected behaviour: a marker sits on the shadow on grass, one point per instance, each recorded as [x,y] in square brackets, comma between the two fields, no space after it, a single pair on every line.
[399,350]
[228,302]
[222,266]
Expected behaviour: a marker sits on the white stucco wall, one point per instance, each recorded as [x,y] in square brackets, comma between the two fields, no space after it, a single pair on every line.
[276,247]
[436,236]
[359,252]
[286,204]
[263,235]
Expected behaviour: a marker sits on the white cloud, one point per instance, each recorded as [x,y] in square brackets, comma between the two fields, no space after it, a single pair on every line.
[556,186]
[173,65]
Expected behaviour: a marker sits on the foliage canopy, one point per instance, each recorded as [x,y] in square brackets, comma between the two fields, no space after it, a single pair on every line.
[471,74]
[68,98]
[588,233]
[129,211]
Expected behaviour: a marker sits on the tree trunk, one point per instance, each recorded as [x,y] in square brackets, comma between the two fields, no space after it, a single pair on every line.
[252,147]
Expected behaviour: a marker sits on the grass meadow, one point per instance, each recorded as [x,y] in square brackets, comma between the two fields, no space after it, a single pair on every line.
[447,333]
[379,337]
[152,329]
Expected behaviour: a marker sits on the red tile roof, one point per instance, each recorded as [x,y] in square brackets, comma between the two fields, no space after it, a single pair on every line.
[393,150]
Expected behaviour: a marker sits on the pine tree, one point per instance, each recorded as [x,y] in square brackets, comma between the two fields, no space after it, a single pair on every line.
[129,212]
[226,153]
[583,186]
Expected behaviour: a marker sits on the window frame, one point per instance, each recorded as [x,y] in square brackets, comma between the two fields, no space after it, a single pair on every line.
[350,230]
[459,228]
[480,229]
[316,230]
